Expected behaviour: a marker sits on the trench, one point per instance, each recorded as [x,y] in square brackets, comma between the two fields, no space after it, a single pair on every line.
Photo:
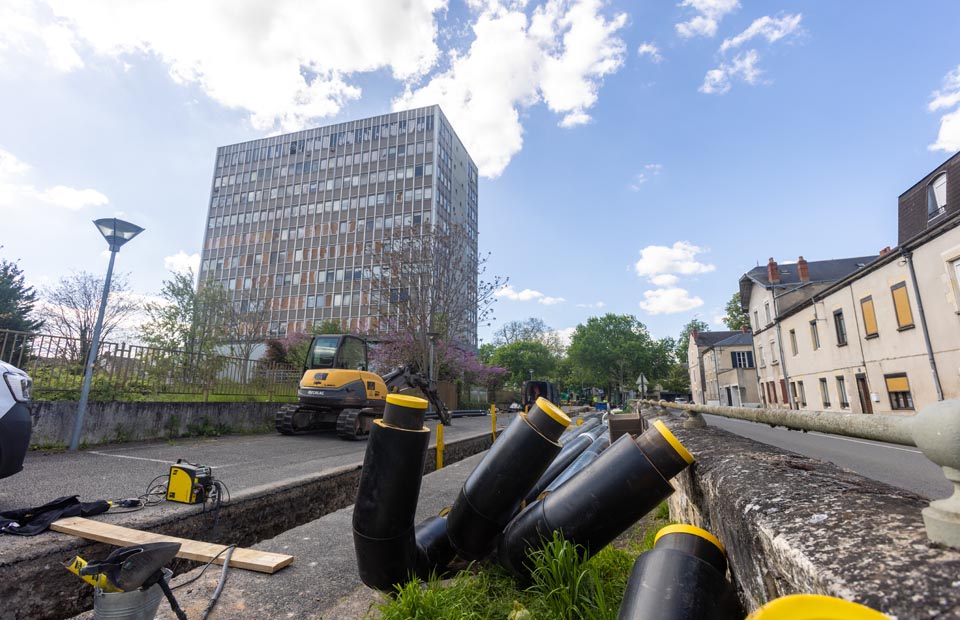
[39,588]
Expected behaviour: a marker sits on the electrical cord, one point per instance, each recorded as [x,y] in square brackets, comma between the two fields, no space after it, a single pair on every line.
[204,569]
[220,584]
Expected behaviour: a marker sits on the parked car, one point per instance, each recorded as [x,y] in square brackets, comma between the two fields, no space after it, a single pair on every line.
[681,401]
[15,422]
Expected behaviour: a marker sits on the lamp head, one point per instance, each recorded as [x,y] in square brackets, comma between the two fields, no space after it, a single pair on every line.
[117,232]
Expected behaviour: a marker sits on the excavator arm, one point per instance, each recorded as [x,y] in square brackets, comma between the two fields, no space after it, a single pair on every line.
[405,377]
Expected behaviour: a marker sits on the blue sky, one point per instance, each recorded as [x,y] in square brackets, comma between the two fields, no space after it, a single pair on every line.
[636,157]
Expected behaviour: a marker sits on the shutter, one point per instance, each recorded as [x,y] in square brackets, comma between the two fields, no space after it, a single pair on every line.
[869,316]
[901,303]
[897,384]
[733,360]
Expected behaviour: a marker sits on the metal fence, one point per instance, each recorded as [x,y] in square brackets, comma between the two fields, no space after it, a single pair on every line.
[134,372]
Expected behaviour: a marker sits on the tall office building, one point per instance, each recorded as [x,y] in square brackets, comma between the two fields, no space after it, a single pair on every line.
[297,222]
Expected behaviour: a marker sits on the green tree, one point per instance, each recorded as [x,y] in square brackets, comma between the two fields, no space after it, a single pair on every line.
[683,342]
[17,300]
[735,318]
[520,357]
[611,351]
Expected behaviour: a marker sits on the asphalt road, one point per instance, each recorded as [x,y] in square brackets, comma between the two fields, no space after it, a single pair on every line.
[900,466]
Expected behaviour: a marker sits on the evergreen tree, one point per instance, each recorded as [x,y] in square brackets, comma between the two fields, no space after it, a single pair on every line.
[17,300]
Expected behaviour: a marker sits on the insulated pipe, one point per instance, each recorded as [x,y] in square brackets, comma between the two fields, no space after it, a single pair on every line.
[434,551]
[625,482]
[682,578]
[571,450]
[576,431]
[586,457]
[495,490]
[383,515]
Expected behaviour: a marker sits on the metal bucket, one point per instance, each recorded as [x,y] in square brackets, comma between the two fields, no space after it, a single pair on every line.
[135,605]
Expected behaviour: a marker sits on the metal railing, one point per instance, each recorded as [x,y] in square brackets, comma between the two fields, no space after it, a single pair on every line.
[935,430]
[125,371]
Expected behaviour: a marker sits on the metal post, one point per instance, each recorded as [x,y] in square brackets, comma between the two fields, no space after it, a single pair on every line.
[439,445]
[493,421]
[92,358]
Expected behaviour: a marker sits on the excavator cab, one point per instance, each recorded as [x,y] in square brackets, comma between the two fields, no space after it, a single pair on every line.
[337,351]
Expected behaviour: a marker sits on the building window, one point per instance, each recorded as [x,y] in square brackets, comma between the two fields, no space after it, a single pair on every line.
[869,317]
[803,394]
[793,340]
[899,390]
[841,327]
[760,357]
[825,393]
[773,352]
[814,335]
[901,303]
[741,359]
[842,393]
[756,320]
[766,308]
[937,196]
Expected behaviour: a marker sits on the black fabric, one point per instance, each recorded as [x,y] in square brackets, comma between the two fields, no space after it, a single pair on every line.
[32,521]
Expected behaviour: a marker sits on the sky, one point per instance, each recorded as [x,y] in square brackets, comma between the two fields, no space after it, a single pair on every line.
[635,157]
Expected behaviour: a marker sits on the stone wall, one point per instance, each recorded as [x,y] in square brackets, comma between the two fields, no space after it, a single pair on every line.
[793,524]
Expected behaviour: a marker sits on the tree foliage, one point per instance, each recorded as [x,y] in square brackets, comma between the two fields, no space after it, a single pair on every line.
[189,319]
[73,304]
[522,356]
[611,351]
[735,317]
[683,342]
[17,300]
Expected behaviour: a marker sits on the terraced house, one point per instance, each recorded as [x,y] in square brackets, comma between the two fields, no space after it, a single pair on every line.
[869,334]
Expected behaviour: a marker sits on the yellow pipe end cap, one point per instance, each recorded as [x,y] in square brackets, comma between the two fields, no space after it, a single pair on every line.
[815,607]
[690,529]
[402,400]
[553,411]
[674,442]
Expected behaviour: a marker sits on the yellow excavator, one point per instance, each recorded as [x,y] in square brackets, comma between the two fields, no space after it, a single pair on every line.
[337,392]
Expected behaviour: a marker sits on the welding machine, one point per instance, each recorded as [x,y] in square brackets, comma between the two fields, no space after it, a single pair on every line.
[189,483]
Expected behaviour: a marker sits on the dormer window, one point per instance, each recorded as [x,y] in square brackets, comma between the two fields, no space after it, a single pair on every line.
[937,196]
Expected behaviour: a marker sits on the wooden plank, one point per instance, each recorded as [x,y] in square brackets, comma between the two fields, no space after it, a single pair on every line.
[249,559]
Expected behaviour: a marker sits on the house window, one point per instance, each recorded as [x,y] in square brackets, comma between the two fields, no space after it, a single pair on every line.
[825,393]
[766,308]
[773,351]
[793,391]
[899,390]
[937,196]
[841,327]
[793,340]
[814,335]
[803,394]
[742,359]
[869,317]
[760,357]
[756,320]
[842,393]
[901,303]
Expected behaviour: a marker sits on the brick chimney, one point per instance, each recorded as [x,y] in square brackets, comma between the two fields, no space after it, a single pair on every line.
[773,272]
[884,250]
[803,270]
[695,333]
[745,329]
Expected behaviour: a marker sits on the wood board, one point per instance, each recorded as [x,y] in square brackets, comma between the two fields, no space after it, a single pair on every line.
[249,559]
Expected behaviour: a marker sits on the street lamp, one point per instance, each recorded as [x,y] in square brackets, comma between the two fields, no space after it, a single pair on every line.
[116,232]
[531,374]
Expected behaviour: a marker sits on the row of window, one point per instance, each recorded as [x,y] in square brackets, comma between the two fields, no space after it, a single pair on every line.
[329,206]
[374,176]
[897,386]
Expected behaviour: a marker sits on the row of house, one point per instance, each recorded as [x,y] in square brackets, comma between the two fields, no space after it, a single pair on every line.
[867,334]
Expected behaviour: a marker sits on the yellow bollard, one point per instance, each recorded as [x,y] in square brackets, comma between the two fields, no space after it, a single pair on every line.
[493,421]
[439,445]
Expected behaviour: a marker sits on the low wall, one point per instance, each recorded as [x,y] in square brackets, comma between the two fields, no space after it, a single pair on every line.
[793,524]
[112,422]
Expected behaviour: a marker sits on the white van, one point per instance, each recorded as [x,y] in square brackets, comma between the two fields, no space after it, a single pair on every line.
[15,423]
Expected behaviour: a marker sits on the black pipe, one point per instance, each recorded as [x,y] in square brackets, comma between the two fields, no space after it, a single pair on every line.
[383,515]
[682,578]
[571,450]
[495,490]
[586,457]
[434,551]
[625,482]
[576,431]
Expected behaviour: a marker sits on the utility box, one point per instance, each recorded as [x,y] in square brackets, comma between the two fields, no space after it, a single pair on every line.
[623,423]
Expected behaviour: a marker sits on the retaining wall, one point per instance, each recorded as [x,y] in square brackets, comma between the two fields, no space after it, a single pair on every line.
[793,524]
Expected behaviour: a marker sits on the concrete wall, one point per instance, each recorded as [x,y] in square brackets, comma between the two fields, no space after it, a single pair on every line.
[110,422]
[792,524]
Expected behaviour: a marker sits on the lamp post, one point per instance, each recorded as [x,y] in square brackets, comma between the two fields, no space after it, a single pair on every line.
[531,374]
[116,232]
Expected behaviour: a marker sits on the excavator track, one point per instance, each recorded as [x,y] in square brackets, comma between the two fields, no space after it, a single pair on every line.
[295,419]
[284,419]
[350,424]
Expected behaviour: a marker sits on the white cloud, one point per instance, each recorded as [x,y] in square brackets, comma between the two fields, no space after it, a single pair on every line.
[680,259]
[596,305]
[650,49]
[711,12]
[15,193]
[181,262]
[948,139]
[508,292]
[718,318]
[771,28]
[664,279]
[564,335]
[558,55]
[284,62]
[669,301]
[649,170]
[744,66]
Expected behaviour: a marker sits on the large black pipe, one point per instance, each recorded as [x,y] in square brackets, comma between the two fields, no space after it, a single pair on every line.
[571,450]
[495,490]
[383,515]
[575,431]
[586,457]
[682,578]
[625,482]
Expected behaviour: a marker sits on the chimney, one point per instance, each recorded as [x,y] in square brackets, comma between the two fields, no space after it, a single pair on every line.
[745,329]
[773,272]
[803,270]
[884,250]
[695,333]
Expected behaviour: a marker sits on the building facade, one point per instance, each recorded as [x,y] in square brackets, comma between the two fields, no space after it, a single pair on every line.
[874,334]
[297,222]
[722,370]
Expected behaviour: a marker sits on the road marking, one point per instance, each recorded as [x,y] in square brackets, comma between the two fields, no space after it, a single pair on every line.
[136,458]
[868,443]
